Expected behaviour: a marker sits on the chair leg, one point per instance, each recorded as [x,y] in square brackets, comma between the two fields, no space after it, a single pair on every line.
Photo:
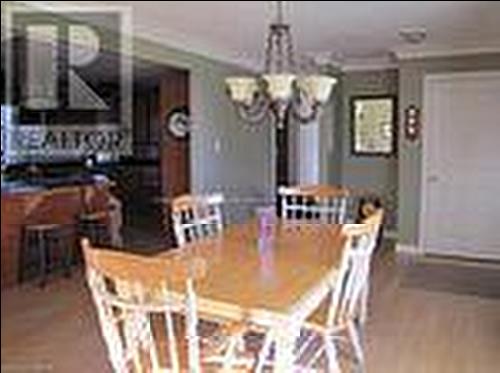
[44,258]
[363,316]
[264,352]
[229,354]
[285,345]
[22,256]
[355,338]
[68,250]
[331,353]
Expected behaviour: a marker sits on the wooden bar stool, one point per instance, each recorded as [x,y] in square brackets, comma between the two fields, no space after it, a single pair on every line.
[45,247]
[95,227]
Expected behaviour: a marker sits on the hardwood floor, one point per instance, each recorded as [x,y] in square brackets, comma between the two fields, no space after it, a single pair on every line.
[412,328]
[416,330]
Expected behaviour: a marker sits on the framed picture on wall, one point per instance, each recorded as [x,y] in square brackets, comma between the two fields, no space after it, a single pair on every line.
[373,125]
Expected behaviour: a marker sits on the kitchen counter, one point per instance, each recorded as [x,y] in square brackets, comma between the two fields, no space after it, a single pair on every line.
[44,201]
[38,185]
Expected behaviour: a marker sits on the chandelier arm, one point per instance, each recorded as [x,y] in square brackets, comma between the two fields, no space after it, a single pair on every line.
[307,119]
[313,109]
[254,113]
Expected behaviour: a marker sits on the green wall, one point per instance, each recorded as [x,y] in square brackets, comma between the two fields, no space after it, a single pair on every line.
[411,74]
[226,154]
[378,174]
[330,154]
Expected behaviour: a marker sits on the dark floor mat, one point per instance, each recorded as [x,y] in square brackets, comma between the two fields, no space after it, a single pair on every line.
[482,280]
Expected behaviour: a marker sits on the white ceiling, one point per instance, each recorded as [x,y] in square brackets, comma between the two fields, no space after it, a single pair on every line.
[349,32]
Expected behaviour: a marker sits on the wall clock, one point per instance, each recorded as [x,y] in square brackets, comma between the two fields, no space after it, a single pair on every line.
[178,122]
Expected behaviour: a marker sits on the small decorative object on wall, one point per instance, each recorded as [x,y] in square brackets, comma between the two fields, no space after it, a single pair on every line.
[178,122]
[412,123]
[373,125]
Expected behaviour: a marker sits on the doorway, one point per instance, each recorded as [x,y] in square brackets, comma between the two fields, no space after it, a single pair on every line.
[461,165]
[159,168]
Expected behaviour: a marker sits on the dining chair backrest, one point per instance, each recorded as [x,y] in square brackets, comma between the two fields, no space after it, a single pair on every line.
[354,270]
[127,289]
[315,203]
[375,221]
[196,217]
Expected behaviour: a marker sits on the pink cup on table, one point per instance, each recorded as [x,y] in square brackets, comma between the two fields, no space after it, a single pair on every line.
[266,218]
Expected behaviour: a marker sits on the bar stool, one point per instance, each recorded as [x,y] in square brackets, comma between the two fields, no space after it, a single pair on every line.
[95,227]
[45,247]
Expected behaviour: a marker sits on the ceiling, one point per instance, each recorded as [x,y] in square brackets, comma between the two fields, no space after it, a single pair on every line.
[347,33]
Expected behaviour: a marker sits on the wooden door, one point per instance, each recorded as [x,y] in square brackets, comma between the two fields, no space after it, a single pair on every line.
[175,150]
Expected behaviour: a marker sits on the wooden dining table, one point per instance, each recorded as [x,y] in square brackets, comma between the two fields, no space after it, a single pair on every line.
[272,280]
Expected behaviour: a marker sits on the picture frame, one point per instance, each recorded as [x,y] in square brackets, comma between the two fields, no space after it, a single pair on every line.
[373,124]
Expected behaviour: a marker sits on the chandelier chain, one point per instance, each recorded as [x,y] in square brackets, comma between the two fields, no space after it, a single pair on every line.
[290,51]
[279,50]
[280,12]
[269,52]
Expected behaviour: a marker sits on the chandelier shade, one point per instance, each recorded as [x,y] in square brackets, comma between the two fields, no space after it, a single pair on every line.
[279,86]
[317,87]
[242,89]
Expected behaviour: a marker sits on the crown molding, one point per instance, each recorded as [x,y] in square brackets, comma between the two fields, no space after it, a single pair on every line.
[408,249]
[167,38]
[173,40]
[349,67]
[386,62]
[442,51]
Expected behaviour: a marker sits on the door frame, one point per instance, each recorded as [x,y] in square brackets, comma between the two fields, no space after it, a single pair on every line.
[428,80]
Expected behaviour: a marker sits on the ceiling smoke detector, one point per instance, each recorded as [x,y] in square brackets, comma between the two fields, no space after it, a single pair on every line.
[413,35]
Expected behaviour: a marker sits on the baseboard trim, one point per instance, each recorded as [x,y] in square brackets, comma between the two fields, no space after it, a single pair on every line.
[411,250]
[455,254]
[408,249]
[391,234]
[464,260]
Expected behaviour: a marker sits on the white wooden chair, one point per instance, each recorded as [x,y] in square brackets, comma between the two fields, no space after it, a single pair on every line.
[315,203]
[195,217]
[139,315]
[375,218]
[339,316]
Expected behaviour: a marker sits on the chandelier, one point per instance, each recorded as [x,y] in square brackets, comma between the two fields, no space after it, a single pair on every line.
[281,90]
